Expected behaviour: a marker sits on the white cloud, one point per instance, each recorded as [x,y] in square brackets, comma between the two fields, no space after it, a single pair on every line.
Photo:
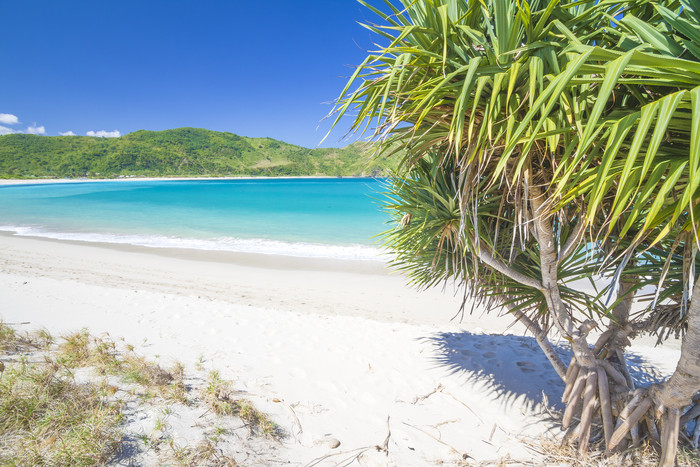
[8,119]
[36,130]
[6,131]
[66,133]
[104,134]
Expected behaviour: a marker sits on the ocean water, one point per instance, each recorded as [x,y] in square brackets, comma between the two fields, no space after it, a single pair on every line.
[300,217]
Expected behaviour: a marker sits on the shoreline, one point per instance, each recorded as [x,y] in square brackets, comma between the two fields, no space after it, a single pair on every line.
[257,260]
[38,181]
[212,247]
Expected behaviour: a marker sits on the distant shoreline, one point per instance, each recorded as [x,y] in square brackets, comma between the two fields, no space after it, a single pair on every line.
[36,181]
[179,153]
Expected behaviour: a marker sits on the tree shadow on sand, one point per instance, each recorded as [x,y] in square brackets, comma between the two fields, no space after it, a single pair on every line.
[513,367]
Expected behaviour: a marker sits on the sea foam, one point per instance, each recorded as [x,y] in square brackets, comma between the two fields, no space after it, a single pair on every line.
[240,245]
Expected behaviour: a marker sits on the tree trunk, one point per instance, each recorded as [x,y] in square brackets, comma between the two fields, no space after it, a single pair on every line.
[671,397]
[542,340]
[549,265]
[619,329]
[677,393]
[679,390]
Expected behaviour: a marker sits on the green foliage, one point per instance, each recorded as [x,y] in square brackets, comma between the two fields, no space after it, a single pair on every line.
[183,152]
[432,242]
[592,109]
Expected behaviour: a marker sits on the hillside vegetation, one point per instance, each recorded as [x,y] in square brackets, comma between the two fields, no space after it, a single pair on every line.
[182,152]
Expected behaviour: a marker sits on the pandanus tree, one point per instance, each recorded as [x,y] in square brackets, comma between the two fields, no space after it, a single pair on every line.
[635,165]
[543,141]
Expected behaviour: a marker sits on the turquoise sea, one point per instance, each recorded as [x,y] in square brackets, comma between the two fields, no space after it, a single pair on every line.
[299,217]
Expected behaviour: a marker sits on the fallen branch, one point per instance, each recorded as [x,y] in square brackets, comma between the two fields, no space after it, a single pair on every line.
[318,460]
[356,453]
[439,387]
[454,449]
[385,444]
[296,419]
[443,390]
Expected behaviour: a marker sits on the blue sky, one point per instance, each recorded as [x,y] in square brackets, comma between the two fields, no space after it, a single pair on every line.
[254,68]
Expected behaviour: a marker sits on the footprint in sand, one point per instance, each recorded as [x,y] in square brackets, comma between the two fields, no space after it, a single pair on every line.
[468,353]
[527,345]
[489,355]
[494,363]
[526,367]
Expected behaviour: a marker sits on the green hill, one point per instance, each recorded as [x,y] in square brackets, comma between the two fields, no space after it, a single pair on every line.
[182,152]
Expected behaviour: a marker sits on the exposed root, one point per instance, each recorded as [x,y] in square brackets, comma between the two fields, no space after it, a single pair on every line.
[692,415]
[669,437]
[613,373]
[639,420]
[571,376]
[589,400]
[653,430]
[605,406]
[574,398]
[625,424]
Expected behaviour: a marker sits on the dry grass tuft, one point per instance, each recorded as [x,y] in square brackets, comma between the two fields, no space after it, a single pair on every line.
[101,354]
[554,453]
[219,395]
[47,417]
[206,453]
[12,341]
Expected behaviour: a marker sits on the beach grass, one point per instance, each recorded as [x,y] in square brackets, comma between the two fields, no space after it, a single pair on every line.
[220,397]
[63,402]
[46,417]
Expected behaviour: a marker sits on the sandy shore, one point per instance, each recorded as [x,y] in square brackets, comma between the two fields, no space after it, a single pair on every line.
[345,343]
[34,181]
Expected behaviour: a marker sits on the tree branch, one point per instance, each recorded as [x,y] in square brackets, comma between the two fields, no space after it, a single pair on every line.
[542,340]
[573,240]
[486,257]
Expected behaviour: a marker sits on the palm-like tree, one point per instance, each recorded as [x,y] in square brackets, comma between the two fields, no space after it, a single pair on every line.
[529,130]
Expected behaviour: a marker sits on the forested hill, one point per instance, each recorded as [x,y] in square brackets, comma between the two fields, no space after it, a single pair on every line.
[182,152]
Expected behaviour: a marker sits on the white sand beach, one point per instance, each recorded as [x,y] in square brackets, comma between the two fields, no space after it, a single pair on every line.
[345,344]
